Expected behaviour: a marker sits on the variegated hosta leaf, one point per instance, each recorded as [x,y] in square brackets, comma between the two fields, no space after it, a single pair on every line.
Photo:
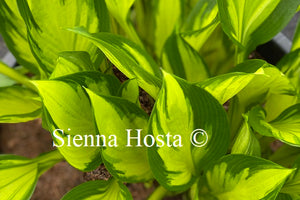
[19,174]
[13,30]
[282,196]
[274,107]
[70,62]
[166,16]
[100,189]
[129,58]
[67,107]
[198,38]
[289,65]
[18,177]
[179,110]
[241,18]
[156,21]
[253,22]
[292,185]
[47,35]
[246,142]
[217,49]
[286,155]
[19,104]
[271,79]
[130,90]
[243,177]
[65,98]
[268,81]
[144,22]
[120,10]
[202,15]
[127,163]
[201,23]
[296,41]
[181,59]
[96,81]
[224,87]
[286,127]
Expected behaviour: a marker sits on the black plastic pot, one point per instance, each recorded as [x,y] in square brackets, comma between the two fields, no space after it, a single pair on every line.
[274,50]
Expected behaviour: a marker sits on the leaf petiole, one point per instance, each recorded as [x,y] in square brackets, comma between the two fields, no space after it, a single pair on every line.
[13,74]
[159,193]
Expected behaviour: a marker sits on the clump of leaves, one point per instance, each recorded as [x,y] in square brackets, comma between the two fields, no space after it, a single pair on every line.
[191,58]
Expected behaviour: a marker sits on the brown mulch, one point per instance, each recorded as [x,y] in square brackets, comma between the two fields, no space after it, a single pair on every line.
[100,173]
[145,100]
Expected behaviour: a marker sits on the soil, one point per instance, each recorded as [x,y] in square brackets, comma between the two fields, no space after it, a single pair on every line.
[30,139]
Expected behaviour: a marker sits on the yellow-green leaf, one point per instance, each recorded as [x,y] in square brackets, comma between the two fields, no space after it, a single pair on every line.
[246,142]
[19,104]
[253,22]
[243,177]
[129,58]
[13,30]
[100,189]
[285,127]
[19,174]
[181,110]
[67,107]
[70,62]
[179,58]
[47,34]
[123,158]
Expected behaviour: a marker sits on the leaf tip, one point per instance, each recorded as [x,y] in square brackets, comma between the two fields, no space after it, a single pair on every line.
[165,74]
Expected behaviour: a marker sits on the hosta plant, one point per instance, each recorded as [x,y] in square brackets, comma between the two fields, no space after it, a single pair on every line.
[212,116]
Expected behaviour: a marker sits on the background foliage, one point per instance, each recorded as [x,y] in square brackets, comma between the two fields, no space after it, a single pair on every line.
[191,58]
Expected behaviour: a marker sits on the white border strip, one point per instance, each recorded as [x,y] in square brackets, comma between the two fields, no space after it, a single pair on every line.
[9,59]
